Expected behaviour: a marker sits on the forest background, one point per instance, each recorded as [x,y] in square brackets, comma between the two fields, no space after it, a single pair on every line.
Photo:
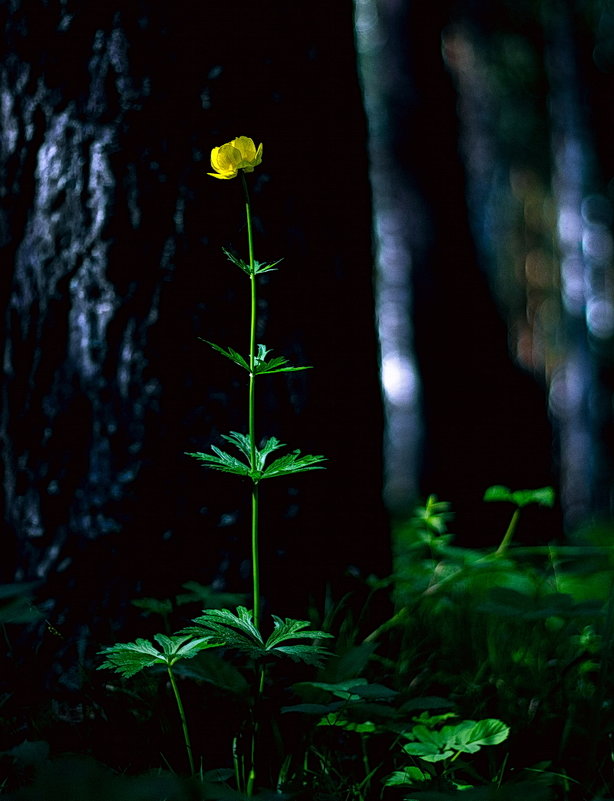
[438,180]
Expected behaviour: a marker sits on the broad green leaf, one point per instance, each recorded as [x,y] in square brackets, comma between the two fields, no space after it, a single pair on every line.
[489,731]
[410,775]
[459,738]
[428,736]
[498,493]
[543,496]
[468,737]
[427,751]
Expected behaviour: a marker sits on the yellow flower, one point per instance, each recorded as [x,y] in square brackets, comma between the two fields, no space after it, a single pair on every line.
[240,154]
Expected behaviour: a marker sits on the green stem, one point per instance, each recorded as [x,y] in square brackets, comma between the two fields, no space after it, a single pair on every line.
[238,764]
[255,556]
[184,722]
[507,537]
[252,404]
[255,727]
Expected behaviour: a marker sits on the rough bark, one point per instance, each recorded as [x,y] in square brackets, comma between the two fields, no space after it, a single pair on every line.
[110,244]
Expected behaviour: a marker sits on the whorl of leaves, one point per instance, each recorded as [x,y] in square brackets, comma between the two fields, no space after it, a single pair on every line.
[128,658]
[292,462]
[238,631]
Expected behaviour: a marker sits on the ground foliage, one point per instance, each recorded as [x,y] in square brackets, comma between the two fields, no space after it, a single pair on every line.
[490,680]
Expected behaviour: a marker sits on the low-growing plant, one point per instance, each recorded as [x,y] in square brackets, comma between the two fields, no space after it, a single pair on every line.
[241,630]
[430,744]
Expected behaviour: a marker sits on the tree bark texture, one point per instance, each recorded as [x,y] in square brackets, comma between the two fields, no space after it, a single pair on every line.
[484,419]
[110,245]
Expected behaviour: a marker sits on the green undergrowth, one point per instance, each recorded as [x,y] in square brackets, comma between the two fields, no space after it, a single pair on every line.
[492,679]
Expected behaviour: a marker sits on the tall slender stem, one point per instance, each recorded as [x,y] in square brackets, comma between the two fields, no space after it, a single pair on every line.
[255,556]
[252,440]
[184,722]
[252,404]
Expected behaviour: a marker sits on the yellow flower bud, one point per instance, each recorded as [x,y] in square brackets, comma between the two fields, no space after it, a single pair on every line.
[240,154]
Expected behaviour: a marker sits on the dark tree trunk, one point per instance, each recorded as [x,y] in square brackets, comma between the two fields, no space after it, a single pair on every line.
[485,420]
[110,245]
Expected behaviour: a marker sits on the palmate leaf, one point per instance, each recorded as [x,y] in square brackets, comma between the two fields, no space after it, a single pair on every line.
[238,631]
[128,658]
[293,463]
[237,261]
[262,365]
[234,630]
[222,461]
[309,654]
[265,267]
[259,267]
[278,364]
[285,465]
[229,353]
[288,630]
[243,443]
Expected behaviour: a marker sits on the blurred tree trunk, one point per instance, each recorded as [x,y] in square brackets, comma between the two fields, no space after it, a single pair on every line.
[580,102]
[110,237]
[484,419]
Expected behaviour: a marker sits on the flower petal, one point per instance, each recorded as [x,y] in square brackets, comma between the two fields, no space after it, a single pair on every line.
[246,147]
[240,154]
